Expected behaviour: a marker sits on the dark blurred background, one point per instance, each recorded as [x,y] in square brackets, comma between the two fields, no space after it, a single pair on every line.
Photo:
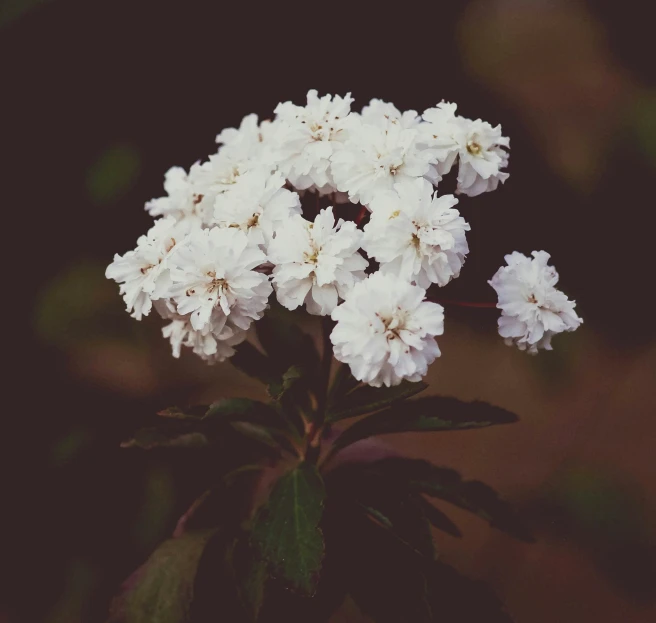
[100,98]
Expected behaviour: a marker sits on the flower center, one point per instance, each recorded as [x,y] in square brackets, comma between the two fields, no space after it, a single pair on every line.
[474,148]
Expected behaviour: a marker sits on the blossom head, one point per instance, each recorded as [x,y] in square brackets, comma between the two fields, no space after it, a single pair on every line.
[533,310]
[214,270]
[386,331]
[417,235]
[316,263]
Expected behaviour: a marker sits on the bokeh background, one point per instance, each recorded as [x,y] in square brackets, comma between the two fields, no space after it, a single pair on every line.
[100,98]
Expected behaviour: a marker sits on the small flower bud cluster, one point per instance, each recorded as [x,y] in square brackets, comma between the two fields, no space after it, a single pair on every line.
[232,230]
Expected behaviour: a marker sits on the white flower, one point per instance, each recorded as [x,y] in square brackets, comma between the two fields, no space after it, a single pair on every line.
[258,205]
[143,273]
[533,310]
[481,156]
[378,112]
[307,136]
[252,142]
[386,332]
[182,200]
[316,263]
[214,270]
[439,132]
[213,344]
[417,235]
[375,157]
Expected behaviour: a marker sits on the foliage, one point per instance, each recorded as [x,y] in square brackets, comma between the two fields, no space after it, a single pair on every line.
[315,528]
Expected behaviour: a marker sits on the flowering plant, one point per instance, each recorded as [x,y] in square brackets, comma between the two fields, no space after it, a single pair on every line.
[337,212]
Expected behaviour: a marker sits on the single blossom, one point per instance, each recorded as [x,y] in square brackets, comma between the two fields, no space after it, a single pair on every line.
[144,272]
[417,235]
[533,310]
[215,343]
[316,263]
[182,201]
[378,112]
[375,157]
[259,205]
[386,331]
[307,136]
[214,270]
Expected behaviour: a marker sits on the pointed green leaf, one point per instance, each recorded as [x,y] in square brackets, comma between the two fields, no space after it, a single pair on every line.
[162,589]
[149,438]
[243,410]
[188,413]
[343,383]
[250,574]
[438,518]
[287,532]
[271,437]
[446,484]
[435,413]
[279,388]
[367,399]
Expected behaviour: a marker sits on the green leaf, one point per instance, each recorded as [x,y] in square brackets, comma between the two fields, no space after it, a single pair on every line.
[242,410]
[384,577]
[188,413]
[287,528]
[446,484]
[162,589]
[343,383]
[435,413]
[250,574]
[149,438]
[367,399]
[278,389]
[438,518]
[271,437]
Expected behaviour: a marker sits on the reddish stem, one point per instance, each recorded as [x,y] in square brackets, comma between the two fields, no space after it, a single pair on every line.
[363,213]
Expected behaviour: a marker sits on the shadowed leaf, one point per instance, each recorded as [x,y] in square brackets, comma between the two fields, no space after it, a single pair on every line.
[446,484]
[435,413]
[287,532]
[162,589]
[367,399]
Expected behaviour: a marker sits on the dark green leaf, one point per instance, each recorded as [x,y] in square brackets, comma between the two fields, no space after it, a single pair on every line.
[162,589]
[243,410]
[434,413]
[285,343]
[250,574]
[188,413]
[446,484]
[271,437]
[343,383]
[438,518]
[254,363]
[287,528]
[367,399]
[149,438]
[279,388]
[384,577]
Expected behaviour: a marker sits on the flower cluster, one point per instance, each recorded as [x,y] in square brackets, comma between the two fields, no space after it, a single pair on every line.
[234,229]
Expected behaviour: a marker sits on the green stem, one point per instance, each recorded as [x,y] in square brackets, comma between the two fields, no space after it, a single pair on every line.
[315,430]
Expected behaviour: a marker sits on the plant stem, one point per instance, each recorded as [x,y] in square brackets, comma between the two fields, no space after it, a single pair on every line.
[315,428]
[326,363]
